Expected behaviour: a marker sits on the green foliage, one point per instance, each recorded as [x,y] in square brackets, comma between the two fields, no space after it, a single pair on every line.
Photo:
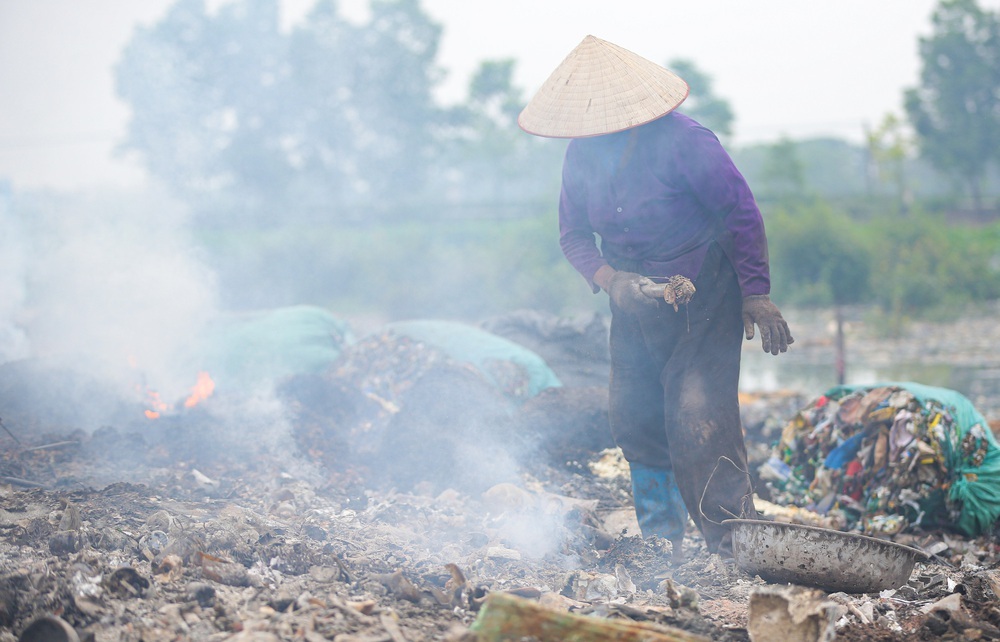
[486,156]
[909,266]
[825,167]
[956,108]
[702,104]
[323,170]
[242,117]
[783,174]
[818,255]
[888,149]
[866,181]
[931,268]
[446,269]
[244,120]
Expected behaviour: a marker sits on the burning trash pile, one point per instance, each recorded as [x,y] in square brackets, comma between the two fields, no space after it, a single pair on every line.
[404,409]
[420,510]
[443,403]
[887,458]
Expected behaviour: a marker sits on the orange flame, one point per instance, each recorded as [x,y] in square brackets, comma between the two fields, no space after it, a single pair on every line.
[156,405]
[201,391]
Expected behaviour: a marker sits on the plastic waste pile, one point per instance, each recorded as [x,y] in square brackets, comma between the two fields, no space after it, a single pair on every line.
[888,457]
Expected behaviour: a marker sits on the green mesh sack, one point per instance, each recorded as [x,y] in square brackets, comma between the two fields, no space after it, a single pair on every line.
[249,349]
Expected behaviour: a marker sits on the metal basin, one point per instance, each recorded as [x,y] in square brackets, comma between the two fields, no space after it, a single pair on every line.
[819,557]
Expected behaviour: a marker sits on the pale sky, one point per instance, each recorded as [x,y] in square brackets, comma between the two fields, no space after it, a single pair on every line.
[796,68]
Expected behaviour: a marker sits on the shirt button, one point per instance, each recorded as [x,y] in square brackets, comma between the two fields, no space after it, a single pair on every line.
[619,209]
[626,229]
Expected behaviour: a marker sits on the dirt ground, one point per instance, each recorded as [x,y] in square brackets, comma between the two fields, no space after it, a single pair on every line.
[258,552]
[170,536]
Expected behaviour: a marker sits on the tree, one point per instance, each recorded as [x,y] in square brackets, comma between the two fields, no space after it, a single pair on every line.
[783,174]
[702,104]
[238,116]
[819,251]
[956,109]
[489,159]
[888,151]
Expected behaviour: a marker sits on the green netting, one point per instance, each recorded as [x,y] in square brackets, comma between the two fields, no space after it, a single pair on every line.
[264,346]
[489,353]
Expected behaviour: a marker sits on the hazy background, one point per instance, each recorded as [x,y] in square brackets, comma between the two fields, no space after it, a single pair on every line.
[787,67]
[157,191]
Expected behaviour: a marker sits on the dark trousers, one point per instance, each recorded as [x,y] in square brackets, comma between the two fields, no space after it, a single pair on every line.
[674,395]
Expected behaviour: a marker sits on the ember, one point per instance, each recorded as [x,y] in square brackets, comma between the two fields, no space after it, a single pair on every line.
[201,391]
[156,405]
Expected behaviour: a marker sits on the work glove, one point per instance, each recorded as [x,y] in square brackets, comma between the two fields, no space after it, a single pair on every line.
[774,333]
[625,289]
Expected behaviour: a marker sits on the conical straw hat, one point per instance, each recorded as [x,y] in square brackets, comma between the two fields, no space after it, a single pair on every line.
[601,88]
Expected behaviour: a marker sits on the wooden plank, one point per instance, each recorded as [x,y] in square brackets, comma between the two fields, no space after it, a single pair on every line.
[505,617]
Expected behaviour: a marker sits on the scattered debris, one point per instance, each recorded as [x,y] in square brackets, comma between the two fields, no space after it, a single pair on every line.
[49,628]
[168,531]
[792,614]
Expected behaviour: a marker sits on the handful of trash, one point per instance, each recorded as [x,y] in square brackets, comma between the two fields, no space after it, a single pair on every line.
[677,290]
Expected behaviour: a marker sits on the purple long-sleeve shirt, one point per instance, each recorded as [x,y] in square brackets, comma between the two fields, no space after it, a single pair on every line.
[657,195]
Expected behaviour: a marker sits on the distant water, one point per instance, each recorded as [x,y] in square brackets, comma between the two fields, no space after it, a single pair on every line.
[765,373]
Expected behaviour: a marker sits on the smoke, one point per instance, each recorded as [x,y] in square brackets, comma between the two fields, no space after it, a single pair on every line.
[13,338]
[111,295]
[109,287]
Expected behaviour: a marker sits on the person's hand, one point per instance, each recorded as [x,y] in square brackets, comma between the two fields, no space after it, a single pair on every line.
[625,289]
[774,334]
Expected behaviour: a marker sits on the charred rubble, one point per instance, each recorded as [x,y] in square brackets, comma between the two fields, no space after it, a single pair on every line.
[392,493]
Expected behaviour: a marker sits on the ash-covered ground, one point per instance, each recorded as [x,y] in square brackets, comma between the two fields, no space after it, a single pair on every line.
[334,510]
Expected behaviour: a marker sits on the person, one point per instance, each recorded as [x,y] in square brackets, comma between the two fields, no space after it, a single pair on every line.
[667,203]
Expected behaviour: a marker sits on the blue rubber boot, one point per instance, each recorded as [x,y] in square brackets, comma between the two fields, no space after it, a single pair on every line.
[659,507]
